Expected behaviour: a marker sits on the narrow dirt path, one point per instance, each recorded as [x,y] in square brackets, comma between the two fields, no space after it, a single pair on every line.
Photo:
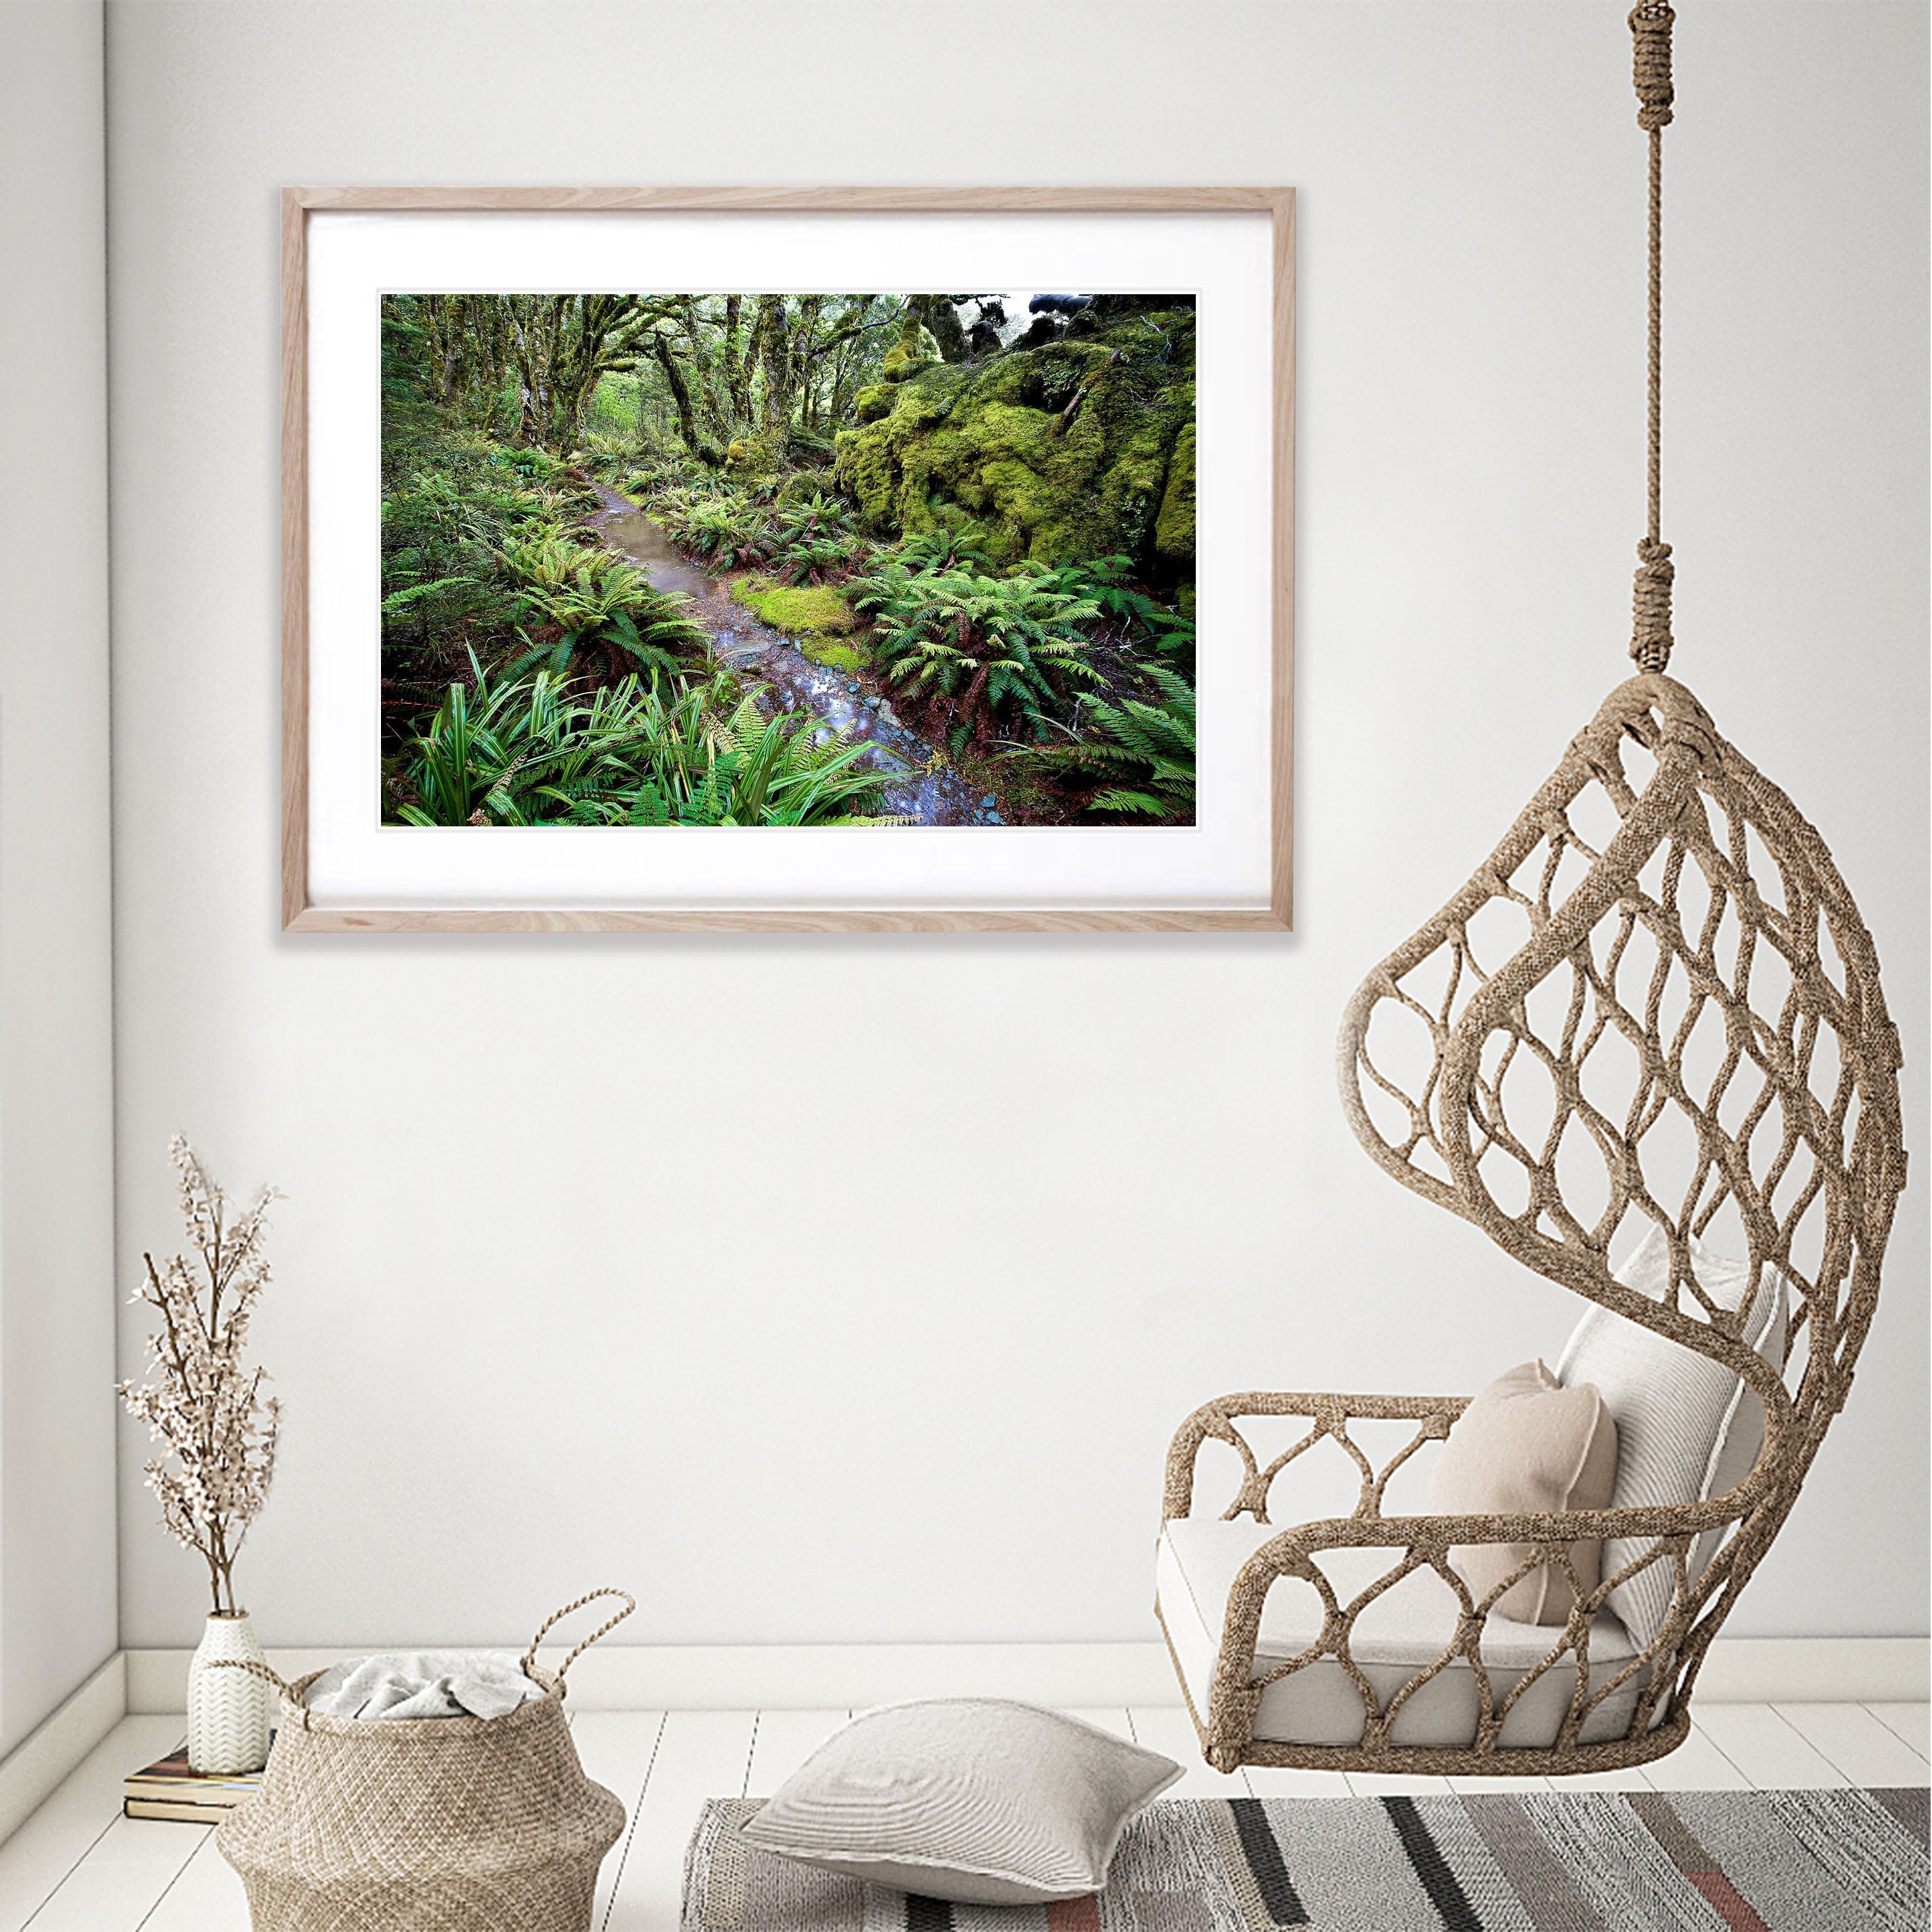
[929,792]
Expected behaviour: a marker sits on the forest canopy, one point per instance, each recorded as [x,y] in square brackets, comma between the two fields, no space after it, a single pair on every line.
[763,558]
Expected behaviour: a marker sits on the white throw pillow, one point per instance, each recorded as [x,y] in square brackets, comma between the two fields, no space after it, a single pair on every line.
[973,1800]
[1687,1429]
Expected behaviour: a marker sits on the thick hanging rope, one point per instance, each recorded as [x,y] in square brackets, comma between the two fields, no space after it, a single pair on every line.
[1650,637]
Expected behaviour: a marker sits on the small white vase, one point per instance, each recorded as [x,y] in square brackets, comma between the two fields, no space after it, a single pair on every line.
[230,1712]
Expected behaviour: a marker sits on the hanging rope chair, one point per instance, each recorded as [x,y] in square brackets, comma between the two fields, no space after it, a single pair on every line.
[1654,1008]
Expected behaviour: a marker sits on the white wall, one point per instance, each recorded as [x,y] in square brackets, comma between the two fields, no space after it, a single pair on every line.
[848,1288]
[57,1504]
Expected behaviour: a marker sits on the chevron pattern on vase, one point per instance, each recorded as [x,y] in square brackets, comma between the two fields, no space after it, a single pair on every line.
[230,1712]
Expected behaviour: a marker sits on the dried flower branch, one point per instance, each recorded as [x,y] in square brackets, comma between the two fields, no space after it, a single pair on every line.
[219,1430]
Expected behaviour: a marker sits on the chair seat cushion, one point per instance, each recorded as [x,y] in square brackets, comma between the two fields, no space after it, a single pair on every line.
[1404,1630]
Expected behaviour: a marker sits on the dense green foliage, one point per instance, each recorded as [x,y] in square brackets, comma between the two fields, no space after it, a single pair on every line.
[992,647]
[524,752]
[1142,749]
[593,597]
[998,540]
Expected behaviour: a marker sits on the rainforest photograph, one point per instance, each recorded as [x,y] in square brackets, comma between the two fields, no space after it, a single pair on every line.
[857,559]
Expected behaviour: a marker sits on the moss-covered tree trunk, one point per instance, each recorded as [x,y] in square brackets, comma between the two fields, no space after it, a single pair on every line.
[563,346]
[775,363]
[784,343]
[675,380]
[737,363]
[939,315]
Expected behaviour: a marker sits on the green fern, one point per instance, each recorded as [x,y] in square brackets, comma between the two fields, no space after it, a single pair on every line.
[1107,581]
[986,645]
[934,549]
[727,529]
[1141,751]
[523,752]
[814,541]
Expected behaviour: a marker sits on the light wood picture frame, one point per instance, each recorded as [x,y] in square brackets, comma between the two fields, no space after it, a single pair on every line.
[1247,886]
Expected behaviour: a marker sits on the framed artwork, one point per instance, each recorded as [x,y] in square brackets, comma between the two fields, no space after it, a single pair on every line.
[787,559]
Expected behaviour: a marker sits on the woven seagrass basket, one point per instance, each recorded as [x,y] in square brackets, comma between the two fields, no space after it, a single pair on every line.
[437,1824]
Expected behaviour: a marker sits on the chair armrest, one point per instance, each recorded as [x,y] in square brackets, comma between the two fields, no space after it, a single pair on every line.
[1429,1540]
[1685,1520]
[1416,1541]
[1329,1415]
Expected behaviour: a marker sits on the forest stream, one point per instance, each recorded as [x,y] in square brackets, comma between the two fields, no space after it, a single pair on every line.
[930,792]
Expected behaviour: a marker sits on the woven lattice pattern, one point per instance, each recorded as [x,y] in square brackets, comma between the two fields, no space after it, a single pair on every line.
[1657,1000]
[1655,1004]
[438,1824]
[426,1825]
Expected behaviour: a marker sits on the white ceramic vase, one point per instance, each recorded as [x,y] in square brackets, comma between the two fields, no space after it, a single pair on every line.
[230,1712]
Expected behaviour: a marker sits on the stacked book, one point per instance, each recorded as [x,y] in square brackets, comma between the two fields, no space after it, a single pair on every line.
[172,1789]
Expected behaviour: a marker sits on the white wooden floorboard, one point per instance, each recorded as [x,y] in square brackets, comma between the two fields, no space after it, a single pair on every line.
[784,1740]
[1275,1781]
[1396,1784]
[615,1748]
[77,1866]
[1633,1778]
[1696,1765]
[1855,1743]
[702,1754]
[58,1836]
[1911,1722]
[1167,1728]
[1766,1749]
[1478,1787]
[126,1870]
[206,1896]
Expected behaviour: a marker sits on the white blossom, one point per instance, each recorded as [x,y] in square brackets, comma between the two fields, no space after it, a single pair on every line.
[219,1430]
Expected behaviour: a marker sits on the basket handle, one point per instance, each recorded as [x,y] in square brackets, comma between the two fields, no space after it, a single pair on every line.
[630,1603]
[254,1670]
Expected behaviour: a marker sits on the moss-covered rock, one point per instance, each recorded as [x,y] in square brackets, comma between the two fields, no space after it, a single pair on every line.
[796,609]
[750,457]
[1174,528]
[815,617]
[842,654]
[1053,453]
[872,402]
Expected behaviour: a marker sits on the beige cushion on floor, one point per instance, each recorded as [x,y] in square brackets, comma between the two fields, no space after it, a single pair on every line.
[1406,1628]
[971,1799]
[1687,1429]
[1526,1445]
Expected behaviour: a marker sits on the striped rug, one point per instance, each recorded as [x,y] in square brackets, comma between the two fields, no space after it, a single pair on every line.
[1565,1861]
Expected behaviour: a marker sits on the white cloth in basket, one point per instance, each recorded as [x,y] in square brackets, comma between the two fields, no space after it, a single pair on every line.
[422,1684]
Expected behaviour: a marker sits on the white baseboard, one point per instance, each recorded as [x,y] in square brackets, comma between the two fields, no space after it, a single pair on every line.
[1740,1670]
[771,1677]
[644,1677]
[40,1764]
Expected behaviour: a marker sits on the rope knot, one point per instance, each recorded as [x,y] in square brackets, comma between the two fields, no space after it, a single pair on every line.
[1651,640]
[1650,24]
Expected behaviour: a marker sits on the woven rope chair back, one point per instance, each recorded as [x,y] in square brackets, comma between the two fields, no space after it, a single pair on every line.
[1656,1004]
